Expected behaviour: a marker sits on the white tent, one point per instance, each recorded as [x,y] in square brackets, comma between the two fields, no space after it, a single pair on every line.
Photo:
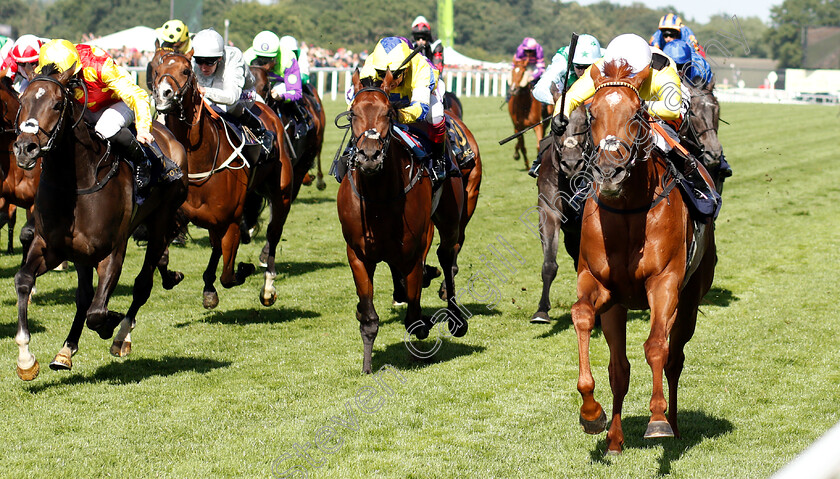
[141,38]
[452,58]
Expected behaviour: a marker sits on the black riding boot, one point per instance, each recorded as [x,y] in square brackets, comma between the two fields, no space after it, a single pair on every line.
[171,171]
[128,146]
[303,120]
[439,162]
[688,166]
[535,167]
[264,137]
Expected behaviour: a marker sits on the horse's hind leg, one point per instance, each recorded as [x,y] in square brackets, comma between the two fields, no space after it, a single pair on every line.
[36,265]
[169,278]
[320,184]
[447,218]
[520,146]
[99,318]
[211,298]
[280,206]
[365,312]
[230,246]
[84,298]
[550,239]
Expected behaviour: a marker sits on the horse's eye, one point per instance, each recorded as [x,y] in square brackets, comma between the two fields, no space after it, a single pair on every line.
[57,106]
[186,72]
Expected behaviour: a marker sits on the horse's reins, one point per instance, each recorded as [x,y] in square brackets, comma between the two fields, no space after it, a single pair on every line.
[384,145]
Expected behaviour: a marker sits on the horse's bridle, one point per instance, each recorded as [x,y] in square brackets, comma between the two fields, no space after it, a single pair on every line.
[632,150]
[178,96]
[65,103]
[370,134]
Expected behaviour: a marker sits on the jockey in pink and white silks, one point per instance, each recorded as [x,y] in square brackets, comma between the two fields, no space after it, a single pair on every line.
[533,51]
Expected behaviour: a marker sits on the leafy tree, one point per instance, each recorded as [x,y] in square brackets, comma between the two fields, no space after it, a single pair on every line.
[790,19]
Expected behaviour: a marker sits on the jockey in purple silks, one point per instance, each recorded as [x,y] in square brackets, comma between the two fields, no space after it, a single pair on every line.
[530,49]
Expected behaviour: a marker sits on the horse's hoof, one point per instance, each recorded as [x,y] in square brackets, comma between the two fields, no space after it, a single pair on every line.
[612,453]
[121,349]
[540,317]
[307,180]
[442,292]
[458,327]
[172,280]
[61,362]
[30,373]
[62,267]
[398,304]
[321,185]
[268,299]
[105,326]
[657,429]
[211,299]
[594,427]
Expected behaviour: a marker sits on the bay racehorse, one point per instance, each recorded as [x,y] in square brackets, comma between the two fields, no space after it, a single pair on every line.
[637,251]
[524,109]
[85,211]
[306,149]
[18,186]
[699,130]
[220,180]
[561,184]
[385,208]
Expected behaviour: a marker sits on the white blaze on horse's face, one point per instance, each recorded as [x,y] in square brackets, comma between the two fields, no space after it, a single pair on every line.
[372,134]
[30,126]
[610,143]
[613,99]
[40,93]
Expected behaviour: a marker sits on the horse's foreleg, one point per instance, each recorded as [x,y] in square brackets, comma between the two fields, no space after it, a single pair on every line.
[365,312]
[400,297]
[591,296]
[320,184]
[27,235]
[550,239]
[614,324]
[663,295]
[27,365]
[84,298]
[280,206]
[414,321]
[99,318]
[168,278]
[520,146]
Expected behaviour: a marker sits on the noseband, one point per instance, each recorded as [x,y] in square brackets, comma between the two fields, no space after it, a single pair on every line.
[613,144]
[65,104]
[384,140]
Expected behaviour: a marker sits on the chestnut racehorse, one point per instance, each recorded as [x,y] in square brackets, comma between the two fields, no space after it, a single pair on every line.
[385,208]
[19,186]
[524,109]
[306,149]
[636,253]
[85,212]
[218,187]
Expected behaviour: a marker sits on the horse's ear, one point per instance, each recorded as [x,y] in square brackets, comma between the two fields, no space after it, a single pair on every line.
[389,82]
[710,85]
[637,79]
[357,80]
[189,54]
[67,74]
[3,72]
[597,76]
[157,44]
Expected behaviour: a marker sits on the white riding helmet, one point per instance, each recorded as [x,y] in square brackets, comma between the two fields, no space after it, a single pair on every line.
[588,50]
[289,42]
[266,44]
[631,48]
[209,44]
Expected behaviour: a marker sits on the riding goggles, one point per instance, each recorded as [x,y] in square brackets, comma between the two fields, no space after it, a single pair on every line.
[207,61]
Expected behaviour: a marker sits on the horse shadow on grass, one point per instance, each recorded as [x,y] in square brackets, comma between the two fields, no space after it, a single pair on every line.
[435,350]
[133,371]
[314,200]
[695,427]
[254,316]
[9,330]
[719,297]
[475,310]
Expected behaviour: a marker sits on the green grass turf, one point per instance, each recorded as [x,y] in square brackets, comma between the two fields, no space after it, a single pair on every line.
[225,393]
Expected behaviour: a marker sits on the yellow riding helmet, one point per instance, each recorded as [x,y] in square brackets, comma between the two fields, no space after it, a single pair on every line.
[175,31]
[62,53]
[389,53]
[670,22]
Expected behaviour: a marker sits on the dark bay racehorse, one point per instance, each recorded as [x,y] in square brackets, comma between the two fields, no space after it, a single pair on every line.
[699,130]
[308,148]
[219,180]
[635,251]
[524,109]
[562,176]
[385,208]
[85,212]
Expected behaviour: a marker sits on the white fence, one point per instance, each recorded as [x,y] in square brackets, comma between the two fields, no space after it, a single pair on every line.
[464,83]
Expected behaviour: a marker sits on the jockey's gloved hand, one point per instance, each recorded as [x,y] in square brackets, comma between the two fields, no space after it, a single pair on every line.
[279,91]
[559,124]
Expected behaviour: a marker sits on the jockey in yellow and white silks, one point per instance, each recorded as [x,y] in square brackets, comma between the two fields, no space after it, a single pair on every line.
[661,92]
[419,86]
[114,101]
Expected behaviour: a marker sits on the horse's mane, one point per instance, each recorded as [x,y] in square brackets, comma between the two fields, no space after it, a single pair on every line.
[617,70]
